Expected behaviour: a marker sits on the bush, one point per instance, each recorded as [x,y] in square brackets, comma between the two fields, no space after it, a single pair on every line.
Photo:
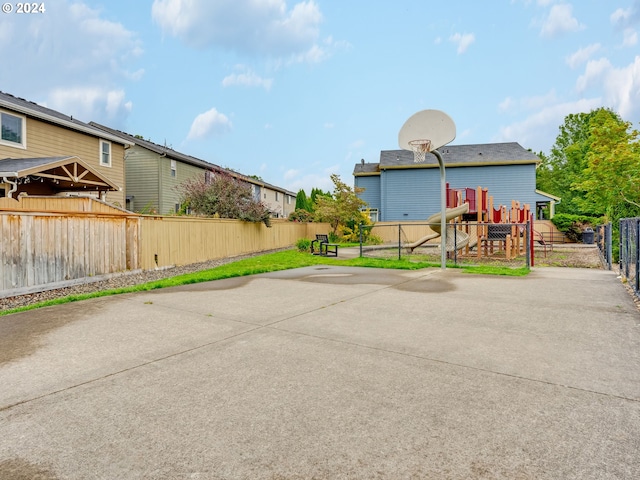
[300,215]
[573,225]
[303,245]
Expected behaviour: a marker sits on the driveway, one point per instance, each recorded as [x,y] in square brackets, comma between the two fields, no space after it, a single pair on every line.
[329,372]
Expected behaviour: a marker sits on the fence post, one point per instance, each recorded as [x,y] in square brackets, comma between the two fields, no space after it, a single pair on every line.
[636,280]
[360,226]
[608,230]
[399,240]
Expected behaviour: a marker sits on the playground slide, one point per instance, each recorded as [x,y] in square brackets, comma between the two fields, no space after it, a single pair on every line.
[462,238]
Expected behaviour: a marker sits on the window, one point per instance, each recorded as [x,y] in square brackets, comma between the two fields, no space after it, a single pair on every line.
[373,214]
[174,168]
[276,196]
[13,130]
[105,153]
[288,199]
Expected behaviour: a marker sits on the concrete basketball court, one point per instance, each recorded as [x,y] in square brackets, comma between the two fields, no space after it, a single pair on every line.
[327,373]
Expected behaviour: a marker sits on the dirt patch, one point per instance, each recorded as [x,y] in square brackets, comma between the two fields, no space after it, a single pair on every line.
[568,256]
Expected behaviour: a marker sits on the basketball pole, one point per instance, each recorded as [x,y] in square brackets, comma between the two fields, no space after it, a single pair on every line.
[443,212]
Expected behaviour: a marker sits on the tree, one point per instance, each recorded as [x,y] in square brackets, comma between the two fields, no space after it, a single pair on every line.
[302,202]
[315,194]
[611,178]
[224,196]
[341,209]
[561,172]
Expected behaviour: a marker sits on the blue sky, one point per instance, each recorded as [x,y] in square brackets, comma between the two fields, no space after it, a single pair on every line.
[294,91]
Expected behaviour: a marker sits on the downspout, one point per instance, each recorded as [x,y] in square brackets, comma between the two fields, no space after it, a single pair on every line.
[14,183]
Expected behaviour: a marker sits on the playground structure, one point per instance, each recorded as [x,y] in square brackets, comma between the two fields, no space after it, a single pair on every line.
[479,225]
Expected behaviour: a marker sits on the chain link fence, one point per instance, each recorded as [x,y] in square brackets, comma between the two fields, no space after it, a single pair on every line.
[604,242]
[467,243]
[629,258]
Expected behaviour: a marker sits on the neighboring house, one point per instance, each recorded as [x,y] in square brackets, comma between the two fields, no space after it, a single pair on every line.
[154,172]
[398,189]
[44,152]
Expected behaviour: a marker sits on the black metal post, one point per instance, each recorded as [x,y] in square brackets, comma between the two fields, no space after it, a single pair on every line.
[399,241]
[360,240]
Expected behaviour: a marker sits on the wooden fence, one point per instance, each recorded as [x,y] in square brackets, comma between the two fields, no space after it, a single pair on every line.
[169,240]
[49,242]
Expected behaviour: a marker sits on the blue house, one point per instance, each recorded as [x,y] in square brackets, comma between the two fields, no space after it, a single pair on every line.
[398,189]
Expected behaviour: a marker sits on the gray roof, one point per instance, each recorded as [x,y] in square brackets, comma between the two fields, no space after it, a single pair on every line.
[159,149]
[454,155]
[173,154]
[32,109]
[16,165]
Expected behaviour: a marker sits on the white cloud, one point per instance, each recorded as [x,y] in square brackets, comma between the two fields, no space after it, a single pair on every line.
[630,38]
[91,103]
[560,21]
[539,130]
[624,17]
[291,174]
[506,105]
[620,86]
[463,41]
[535,102]
[72,52]
[581,56]
[246,26]
[247,78]
[71,36]
[209,123]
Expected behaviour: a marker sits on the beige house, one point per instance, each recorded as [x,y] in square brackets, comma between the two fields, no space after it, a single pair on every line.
[43,152]
[154,172]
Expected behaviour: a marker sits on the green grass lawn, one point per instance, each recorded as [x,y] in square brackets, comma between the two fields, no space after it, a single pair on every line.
[271,262]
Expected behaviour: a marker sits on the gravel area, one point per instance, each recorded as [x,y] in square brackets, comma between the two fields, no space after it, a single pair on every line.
[119,281]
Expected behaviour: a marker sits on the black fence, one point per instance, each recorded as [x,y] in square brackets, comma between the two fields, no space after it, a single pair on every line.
[604,242]
[467,243]
[629,268]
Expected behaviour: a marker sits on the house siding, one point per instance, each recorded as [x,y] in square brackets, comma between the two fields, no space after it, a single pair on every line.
[169,186]
[414,194]
[409,194]
[142,179]
[371,194]
[44,139]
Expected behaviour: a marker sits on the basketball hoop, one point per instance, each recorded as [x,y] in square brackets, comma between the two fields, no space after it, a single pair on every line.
[420,149]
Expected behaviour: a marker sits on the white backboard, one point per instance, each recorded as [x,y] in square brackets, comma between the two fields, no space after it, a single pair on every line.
[433,125]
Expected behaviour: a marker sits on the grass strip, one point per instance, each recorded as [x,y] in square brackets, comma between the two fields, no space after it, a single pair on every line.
[271,262]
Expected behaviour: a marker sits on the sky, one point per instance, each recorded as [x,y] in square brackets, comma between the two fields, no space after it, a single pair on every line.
[294,91]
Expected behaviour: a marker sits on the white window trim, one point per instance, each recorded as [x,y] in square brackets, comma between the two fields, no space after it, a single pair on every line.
[102,142]
[23,144]
[174,168]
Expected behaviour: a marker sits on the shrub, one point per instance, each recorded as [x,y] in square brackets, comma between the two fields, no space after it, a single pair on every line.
[301,215]
[303,245]
[573,225]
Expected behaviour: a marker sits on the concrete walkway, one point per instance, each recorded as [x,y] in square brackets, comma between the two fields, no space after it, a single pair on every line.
[329,372]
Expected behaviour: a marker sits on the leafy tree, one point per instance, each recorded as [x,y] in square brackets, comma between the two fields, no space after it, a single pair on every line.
[611,179]
[315,194]
[341,209]
[561,171]
[224,196]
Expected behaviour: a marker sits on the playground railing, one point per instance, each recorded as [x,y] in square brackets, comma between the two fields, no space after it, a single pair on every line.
[484,243]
